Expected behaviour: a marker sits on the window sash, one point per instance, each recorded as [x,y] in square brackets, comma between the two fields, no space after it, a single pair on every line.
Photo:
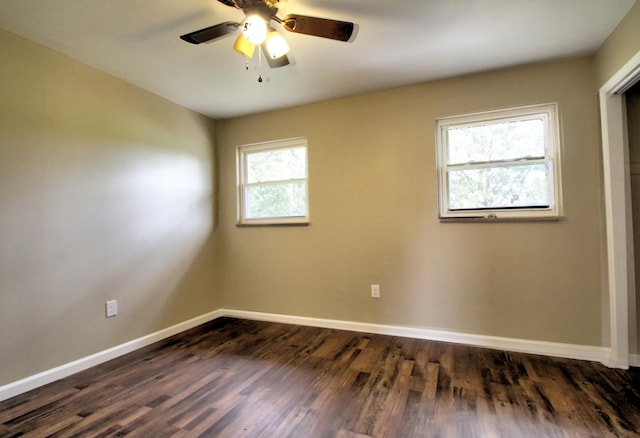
[497,163]
[276,182]
[475,123]
[280,183]
[248,154]
[525,187]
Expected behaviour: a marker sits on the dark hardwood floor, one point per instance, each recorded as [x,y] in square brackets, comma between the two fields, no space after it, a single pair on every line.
[239,378]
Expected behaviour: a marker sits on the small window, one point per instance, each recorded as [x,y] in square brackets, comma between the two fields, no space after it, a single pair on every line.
[500,164]
[272,183]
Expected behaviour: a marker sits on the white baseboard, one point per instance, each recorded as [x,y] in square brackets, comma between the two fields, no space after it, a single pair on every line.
[569,351]
[634,360]
[45,377]
[582,352]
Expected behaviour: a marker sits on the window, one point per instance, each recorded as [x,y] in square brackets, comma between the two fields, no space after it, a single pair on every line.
[272,183]
[500,164]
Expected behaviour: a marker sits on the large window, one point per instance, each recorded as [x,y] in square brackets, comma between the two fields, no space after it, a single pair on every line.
[272,183]
[500,164]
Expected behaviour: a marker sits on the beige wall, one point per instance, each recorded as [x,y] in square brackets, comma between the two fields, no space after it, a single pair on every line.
[620,47]
[105,193]
[373,206]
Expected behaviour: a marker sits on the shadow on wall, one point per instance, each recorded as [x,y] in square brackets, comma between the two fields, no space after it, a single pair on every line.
[135,230]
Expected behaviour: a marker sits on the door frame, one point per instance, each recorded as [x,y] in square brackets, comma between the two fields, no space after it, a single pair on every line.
[617,197]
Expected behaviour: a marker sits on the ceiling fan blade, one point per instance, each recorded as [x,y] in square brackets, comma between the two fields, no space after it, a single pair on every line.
[277,62]
[321,27]
[210,33]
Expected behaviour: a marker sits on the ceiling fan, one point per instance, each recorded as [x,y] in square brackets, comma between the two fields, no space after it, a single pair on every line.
[258,31]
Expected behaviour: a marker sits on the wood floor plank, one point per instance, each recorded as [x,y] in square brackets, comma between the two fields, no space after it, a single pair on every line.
[241,378]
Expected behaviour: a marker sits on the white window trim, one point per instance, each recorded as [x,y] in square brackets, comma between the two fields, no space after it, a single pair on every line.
[553,212]
[241,172]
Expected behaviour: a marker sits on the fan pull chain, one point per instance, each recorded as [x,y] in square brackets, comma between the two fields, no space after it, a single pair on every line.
[260,64]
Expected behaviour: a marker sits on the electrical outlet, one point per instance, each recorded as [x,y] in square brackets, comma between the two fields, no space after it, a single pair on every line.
[375,291]
[111,308]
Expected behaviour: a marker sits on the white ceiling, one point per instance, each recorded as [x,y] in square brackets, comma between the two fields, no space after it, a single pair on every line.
[399,43]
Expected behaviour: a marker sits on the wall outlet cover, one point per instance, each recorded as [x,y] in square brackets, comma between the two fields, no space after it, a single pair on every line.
[111,308]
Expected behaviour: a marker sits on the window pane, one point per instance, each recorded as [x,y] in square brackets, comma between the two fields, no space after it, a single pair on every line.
[276,165]
[496,141]
[499,187]
[280,200]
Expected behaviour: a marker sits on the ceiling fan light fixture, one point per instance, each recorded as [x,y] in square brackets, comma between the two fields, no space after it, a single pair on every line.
[255,29]
[276,45]
[244,46]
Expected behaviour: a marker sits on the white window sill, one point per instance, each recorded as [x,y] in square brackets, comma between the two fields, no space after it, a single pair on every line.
[485,219]
[273,224]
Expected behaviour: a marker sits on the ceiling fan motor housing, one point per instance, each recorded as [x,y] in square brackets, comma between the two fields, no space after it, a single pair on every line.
[262,9]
